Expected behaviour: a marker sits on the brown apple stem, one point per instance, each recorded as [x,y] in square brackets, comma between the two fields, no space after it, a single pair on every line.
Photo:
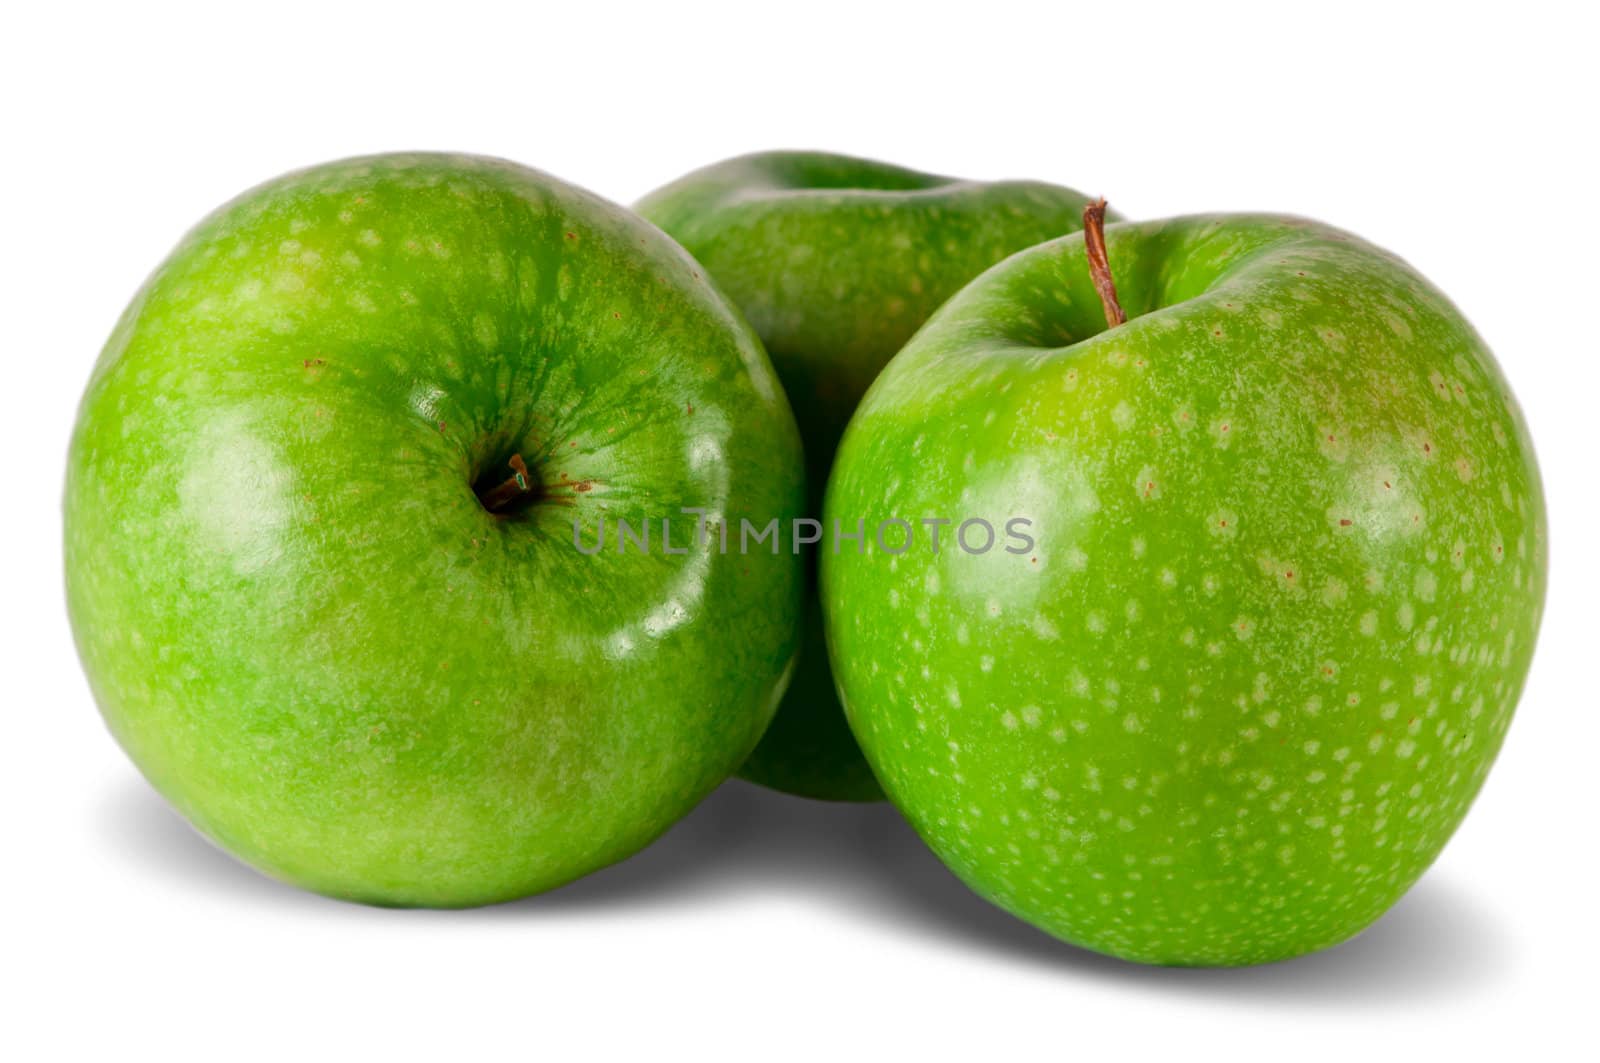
[1094,241]
[498,498]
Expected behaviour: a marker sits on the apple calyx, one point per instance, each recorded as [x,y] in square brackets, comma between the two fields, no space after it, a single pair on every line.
[504,497]
[1094,242]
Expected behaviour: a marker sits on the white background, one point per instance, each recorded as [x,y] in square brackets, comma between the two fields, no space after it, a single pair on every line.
[767,927]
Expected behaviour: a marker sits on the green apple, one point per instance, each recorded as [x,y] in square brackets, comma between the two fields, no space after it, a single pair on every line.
[321,552]
[1231,681]
[836,261]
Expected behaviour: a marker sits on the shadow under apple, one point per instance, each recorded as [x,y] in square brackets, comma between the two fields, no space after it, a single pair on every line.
[744,839]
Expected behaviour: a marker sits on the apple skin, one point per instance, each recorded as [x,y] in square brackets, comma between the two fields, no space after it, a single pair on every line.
[1289,565]
[294,612]
[836,261]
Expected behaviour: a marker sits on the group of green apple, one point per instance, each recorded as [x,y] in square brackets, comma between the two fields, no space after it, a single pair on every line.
[1285,564]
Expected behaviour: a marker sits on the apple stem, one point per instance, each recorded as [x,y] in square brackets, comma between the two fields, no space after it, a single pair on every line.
[520,483]
[1094,241]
